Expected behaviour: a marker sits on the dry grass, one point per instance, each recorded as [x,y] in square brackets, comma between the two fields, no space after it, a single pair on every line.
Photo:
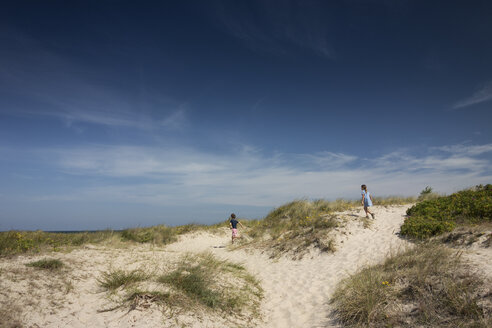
[427,286]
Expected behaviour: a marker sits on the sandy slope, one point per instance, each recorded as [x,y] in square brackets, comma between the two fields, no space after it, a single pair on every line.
[296,292]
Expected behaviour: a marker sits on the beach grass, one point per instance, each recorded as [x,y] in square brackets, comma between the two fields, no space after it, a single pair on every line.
[195,281]
[295,227]
[114,279]
[47,264]
[301,225]
[427,286]
[215,284]
[16,242]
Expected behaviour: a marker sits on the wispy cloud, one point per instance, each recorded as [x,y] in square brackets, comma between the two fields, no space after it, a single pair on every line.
[177,176]
[483,94]
[276,26]
[467,150]
[75,93]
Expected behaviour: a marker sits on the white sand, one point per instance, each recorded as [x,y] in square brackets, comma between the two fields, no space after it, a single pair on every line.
[296,292]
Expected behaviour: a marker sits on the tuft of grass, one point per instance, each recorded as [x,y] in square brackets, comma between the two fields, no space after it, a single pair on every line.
[47,264]
[114,279]
[426,286]
[197,281]
[438,215]
[215,284]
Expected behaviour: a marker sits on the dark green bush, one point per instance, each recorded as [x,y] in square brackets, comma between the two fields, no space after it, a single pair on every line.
[435,216]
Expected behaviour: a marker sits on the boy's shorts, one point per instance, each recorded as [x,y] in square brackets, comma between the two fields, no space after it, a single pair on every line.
[234,232]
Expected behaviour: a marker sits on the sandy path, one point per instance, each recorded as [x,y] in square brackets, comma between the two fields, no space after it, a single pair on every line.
[296,292]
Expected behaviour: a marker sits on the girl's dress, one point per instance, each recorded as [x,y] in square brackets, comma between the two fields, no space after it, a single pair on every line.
[367,198]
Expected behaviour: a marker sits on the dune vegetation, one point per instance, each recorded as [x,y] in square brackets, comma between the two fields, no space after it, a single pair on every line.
[17,242]
[199,280]
[437,215]
[301,225]
[426,286]
[302,221]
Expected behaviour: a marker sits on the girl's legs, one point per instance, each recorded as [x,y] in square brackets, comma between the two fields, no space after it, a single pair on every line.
[368,212]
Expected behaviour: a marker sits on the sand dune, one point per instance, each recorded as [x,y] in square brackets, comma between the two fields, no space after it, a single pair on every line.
[296,292]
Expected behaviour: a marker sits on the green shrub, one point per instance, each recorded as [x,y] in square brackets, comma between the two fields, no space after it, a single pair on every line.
[424,227]
[434,216]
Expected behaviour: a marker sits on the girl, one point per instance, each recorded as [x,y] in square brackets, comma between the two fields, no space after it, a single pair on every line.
[366,201]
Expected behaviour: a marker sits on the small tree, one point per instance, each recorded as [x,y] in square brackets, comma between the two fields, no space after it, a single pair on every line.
[427,193]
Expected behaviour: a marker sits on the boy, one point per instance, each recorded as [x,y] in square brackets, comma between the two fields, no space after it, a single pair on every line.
[233,224]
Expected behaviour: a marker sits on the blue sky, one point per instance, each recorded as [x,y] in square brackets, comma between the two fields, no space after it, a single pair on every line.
[117,114]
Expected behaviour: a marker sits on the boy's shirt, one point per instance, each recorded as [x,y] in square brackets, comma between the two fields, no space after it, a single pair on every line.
[234,223]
